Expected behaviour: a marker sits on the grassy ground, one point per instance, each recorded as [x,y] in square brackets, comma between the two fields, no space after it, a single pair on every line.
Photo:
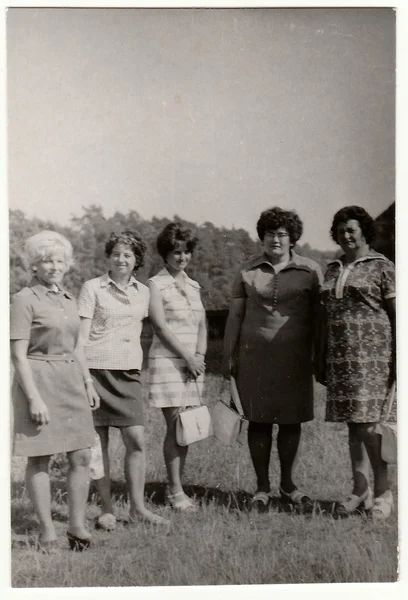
[225,542]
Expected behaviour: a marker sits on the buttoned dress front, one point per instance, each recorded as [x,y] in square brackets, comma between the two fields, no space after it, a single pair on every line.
[170,384]
[359,357]
[113,351]
[274,371]
[49,321]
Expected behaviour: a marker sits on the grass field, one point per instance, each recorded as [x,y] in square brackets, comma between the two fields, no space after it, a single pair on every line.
[225,542]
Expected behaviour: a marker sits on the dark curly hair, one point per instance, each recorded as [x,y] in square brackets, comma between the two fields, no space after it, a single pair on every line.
[356,213]
[173,235]
[131,239]
[276,217]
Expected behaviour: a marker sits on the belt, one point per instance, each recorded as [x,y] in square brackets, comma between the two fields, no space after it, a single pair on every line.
[52,357]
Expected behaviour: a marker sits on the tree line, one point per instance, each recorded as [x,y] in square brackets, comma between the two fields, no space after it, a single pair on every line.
[214,263]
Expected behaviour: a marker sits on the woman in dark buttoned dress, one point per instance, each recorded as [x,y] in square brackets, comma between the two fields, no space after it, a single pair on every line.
[52,388]
[268,345]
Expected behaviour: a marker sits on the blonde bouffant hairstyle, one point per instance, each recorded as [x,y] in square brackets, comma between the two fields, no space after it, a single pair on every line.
[42,244]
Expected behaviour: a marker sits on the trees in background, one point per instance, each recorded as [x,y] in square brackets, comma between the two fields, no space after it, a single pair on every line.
[214,264]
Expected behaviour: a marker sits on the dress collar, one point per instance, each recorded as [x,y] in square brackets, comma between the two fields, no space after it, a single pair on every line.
[371,255]
[42,291]
[168,279]
[107,280]
[295,262]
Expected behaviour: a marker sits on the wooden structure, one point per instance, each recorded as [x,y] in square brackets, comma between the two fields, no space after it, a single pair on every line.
[385,236]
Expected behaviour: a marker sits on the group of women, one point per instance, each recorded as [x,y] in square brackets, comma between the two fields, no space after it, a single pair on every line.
[78,360]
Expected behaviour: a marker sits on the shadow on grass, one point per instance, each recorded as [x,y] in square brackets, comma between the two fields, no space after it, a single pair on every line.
[23,521]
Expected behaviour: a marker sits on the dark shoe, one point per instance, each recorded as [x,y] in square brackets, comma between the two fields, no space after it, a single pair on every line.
[78,544]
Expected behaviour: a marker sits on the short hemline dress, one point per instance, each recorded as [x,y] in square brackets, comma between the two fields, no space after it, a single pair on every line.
[49,320]
[274,372]
[359,339]
[170,383]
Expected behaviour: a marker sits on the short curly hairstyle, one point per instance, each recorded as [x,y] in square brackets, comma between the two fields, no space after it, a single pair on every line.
[273,218]
[130,238]
[172,236]
[356,213]
[43,244]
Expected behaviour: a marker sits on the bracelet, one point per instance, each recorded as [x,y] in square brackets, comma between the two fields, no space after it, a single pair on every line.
[200,354]
[88,381]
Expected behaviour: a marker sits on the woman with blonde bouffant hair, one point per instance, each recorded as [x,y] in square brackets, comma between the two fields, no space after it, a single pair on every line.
[52,392]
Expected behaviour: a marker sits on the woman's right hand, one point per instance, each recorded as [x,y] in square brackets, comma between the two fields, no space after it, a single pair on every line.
[195,364]
[39,411]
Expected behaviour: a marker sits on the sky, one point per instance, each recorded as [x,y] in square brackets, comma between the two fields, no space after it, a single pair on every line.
[213,115]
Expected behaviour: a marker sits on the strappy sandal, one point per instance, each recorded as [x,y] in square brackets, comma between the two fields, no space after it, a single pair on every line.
[355,502]
[180,501]
[383,506]
[47,547]
[106,521]
[260,501]
[296,498]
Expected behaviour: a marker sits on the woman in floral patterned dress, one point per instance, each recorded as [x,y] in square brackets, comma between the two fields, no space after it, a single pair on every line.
[358,296]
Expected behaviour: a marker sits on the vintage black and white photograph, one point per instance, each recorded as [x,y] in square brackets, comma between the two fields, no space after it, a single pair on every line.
[202,296]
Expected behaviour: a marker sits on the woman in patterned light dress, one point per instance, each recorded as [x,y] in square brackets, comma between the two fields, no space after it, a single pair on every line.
[52,388]
[176,356]
[358,297]
[268,345]
[112,308]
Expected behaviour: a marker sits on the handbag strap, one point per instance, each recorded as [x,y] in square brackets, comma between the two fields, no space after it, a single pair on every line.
[235,397]
[183,406]
[390,403]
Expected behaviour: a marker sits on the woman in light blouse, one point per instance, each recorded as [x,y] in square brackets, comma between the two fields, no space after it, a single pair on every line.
[112,308]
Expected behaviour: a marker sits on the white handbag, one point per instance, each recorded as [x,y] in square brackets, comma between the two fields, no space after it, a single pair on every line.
[388,432]
[229,424]
[194,424]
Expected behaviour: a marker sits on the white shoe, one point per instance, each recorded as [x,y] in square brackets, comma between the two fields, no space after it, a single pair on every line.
[383,506]
[354,502]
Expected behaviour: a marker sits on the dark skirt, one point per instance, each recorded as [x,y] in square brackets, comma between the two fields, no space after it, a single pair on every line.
[121,398]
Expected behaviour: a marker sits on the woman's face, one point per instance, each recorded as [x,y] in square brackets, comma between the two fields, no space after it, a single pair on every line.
[122,260]
[178,258]
[349,236]
[51,269]
[276,243]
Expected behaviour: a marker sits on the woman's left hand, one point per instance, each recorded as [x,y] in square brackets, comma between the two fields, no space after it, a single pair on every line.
[93,398]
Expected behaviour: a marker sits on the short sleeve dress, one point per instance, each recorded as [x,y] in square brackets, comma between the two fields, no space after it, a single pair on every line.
[170,384]
[359,359]
[275,374]
[49,320]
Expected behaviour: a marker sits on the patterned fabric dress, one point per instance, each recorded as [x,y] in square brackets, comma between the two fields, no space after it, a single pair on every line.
[169,379]
[359,338]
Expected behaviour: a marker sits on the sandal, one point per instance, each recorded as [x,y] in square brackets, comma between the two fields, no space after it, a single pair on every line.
[47,547]
[383,506]
[354,502]
[260,501]
[296,498]
[180,501]
[106,521]
[151,520]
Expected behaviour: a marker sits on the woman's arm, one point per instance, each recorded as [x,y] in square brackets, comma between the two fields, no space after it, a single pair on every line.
[391,311]
[201,348]
[37,407]
[157,316]
[231,335]
[83,337]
